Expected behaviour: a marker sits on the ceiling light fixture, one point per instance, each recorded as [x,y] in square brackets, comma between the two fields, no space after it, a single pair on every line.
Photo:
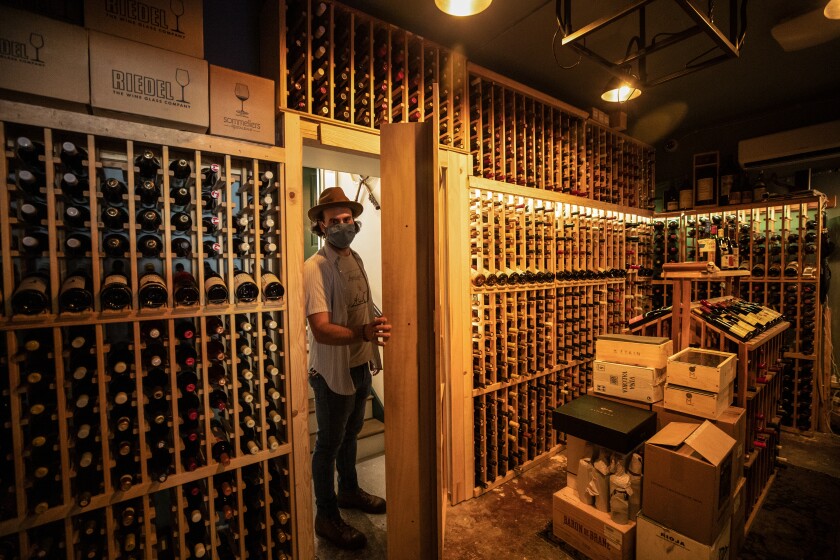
[462,7]
[621,90]
[832,9]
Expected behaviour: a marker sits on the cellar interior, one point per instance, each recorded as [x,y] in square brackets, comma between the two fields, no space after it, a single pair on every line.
[605,326]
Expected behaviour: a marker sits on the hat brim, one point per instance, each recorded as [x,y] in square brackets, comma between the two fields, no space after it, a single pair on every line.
[355,208]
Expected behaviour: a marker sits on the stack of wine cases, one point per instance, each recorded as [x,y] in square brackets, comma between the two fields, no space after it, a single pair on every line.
[549,274]
[143,406]
[779,243]
[343,65]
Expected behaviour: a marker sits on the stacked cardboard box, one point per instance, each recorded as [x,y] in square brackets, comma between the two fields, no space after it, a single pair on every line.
[687,493]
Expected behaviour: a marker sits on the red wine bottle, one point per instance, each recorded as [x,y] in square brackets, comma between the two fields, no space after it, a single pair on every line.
[185,286]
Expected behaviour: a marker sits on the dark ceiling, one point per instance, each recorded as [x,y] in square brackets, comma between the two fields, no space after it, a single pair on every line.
[514,38]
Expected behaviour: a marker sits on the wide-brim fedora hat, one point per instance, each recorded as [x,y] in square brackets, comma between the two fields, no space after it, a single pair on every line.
[331,198]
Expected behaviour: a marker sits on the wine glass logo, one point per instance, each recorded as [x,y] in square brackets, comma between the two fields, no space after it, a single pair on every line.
[182,76]
[37,41]
[242,93]
[178,10]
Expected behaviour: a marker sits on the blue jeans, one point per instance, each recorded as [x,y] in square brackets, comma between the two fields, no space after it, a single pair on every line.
[340,419]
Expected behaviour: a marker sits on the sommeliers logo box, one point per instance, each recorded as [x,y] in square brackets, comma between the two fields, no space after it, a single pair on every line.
[147,84]
[44,57]
[174,25]
[241,105]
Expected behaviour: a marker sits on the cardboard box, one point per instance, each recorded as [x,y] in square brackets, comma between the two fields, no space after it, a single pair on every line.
[739,518]
[687,483]
[174,25]
[628,402]
[633,350]
[241,105]
[636,383]
[618,120]
[699,403]
[43,57]
[655,541]
[609,424]
[590,531]
[732,421]
[707,370]
[138,82]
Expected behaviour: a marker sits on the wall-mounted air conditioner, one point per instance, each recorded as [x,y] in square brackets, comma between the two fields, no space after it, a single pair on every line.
[800,147]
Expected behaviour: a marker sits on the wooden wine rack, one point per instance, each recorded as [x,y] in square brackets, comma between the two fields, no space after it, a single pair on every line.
[550,273]
[524,138]
[755,227]
[342,65]
[152,518]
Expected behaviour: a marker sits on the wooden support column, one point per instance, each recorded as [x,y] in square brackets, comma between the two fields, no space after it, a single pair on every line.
[296,356]
[413,466]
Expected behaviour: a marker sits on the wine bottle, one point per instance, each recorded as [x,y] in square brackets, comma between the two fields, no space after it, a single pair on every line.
[29,152]
[181,221]
[152,330]
[154,355]
[272,289]
[211,225]
[33,212]
[186,356]
[113,191]
[115,244]
[152,290]
[185,287]
[181,247]
[76,294]
[35,241]
[149,245]
[30,184]
[222,450]
[76,216]
[74,186]
[31,297]
[185,330]
[244,287]
[214,286]
[148,191]
[215,326]
[180,168]
[147,164]
[672,198]
[114,218]
[181,197]
[77,243]
[73,157]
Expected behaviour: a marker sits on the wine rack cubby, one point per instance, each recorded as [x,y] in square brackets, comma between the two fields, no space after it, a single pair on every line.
[144,405]
[780,243]
[549,274]
[342,65]
[520,139]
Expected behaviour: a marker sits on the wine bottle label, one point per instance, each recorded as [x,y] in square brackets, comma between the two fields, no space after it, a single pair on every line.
[268,278]
[212,282]
[115,279]
[150,278]
[34,283]
[706,189]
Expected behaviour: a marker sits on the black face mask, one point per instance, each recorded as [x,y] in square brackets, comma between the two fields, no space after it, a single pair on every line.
[341,235]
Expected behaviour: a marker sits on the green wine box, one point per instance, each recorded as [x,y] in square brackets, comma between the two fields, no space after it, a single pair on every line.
[613,425]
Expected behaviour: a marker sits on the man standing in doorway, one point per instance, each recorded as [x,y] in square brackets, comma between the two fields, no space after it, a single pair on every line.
[343,337]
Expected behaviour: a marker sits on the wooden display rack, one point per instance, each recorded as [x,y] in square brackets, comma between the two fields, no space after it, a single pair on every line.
[268,512]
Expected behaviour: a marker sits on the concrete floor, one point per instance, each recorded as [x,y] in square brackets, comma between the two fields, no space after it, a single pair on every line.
[504,523]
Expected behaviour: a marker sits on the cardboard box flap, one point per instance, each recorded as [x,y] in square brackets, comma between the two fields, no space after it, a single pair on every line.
[655,340]
[673,434]
[711,442]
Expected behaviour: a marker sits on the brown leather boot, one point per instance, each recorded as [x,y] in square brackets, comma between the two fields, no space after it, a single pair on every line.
[339,533]
[361,500]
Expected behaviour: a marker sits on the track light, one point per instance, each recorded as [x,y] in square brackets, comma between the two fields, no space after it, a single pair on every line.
[462,7]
